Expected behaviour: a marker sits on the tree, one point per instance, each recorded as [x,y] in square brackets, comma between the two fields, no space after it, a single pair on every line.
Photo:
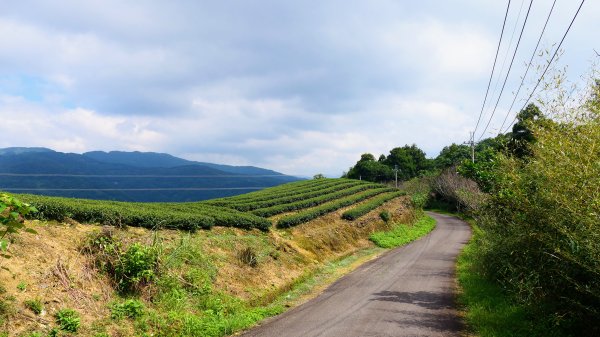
[369,169]
[452,155]
[319,176]
[411,161]
[522,134]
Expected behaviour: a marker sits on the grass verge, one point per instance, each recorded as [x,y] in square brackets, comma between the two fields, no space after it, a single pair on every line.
[403,234]
[486,308]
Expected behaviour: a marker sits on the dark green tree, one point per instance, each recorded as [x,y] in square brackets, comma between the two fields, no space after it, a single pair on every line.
[411,161]
[452,155]
[369,169]
[522,134]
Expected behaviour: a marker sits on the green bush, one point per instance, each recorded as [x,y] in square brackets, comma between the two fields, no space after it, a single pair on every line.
[385,215]
[12,213]
[130,308]
[542,224]
[68,320]
[36,306]
[135,267]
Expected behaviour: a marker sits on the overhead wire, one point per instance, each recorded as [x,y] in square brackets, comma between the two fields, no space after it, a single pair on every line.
[549,63]
[493,67]
[508,71]
[528,66]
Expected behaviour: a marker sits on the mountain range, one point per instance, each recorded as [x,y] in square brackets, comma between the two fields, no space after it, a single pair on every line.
[127,176]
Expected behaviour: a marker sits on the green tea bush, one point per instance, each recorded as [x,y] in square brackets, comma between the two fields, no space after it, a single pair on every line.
[315,212]
[318,200]
[365,208]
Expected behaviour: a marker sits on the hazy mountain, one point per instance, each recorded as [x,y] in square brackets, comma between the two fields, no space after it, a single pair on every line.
[154,159]
[131,176]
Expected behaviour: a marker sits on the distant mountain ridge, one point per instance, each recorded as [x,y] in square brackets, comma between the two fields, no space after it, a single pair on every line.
[154,159]
[127,176]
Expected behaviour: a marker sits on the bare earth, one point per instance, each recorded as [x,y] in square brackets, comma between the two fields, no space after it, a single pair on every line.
[408,291]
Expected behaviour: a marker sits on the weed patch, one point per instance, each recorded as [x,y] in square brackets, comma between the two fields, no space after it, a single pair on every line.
[402,234]
[68,320]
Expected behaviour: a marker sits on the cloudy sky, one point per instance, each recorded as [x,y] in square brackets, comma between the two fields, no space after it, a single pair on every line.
[301,87]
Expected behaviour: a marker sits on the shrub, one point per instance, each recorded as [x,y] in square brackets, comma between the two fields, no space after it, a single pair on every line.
[12,213]
[135,267]
[542,224]
[461,193]
[248,257]
[130,269]
[385,215]
[68,320]
[130,308]
[36,306]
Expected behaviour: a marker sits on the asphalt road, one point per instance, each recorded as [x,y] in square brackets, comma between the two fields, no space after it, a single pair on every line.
[408,291]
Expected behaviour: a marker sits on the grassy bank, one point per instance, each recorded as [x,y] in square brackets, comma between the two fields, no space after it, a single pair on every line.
[487,309]
[402,234]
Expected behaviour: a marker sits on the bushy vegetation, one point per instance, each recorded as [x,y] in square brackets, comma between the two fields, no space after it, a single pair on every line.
[130,268]
[68,320]
[12,213]
[366,207]
[542,223]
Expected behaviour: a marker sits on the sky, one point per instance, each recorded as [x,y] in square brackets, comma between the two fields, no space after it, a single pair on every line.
[300,87]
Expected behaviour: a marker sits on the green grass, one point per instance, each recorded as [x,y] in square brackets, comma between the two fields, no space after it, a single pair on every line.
[402,234]
[488,310]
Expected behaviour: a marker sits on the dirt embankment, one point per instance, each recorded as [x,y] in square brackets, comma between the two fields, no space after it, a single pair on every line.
[50,268]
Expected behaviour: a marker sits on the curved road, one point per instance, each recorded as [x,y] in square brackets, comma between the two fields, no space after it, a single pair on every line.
[408,291]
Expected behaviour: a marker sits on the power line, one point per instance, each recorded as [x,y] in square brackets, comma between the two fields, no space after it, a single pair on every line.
[493,67]
[508,48]
[528,66]
[135,176]
[549,63]
[508,71]
[134,189]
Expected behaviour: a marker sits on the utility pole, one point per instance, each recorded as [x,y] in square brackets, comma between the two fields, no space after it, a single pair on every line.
[396,172]
[471,142]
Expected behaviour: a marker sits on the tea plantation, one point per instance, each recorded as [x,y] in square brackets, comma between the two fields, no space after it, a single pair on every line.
[301,201]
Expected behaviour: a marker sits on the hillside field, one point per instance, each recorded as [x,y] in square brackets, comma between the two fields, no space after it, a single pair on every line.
[187,269]
[284,206]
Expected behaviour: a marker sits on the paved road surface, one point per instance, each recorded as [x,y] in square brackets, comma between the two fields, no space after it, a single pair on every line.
[406,292]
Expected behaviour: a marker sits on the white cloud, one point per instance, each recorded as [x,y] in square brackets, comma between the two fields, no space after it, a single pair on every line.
[300,88]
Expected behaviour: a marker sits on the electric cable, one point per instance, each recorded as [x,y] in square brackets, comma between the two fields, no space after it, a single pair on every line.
[549,63]
[508,71]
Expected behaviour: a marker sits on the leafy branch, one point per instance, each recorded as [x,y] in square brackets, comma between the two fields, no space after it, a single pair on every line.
[12,218]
